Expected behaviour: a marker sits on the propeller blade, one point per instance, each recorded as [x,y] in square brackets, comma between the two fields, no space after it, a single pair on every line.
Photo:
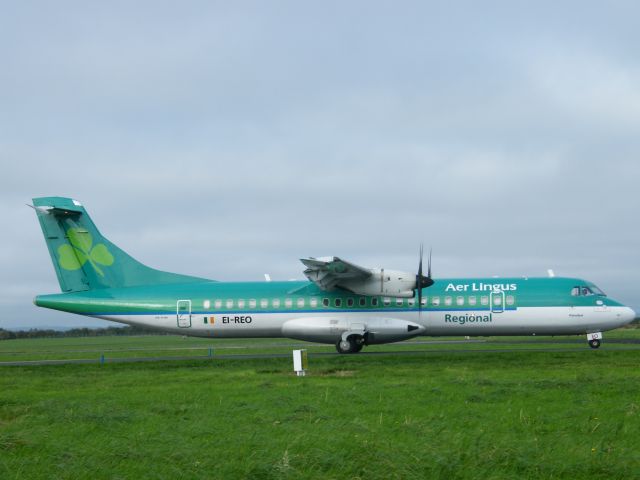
[419,282]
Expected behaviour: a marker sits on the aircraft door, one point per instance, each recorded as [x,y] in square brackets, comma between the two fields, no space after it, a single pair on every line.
[183,310]
[497,301]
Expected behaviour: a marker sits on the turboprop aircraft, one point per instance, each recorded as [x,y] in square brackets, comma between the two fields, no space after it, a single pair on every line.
[341,303]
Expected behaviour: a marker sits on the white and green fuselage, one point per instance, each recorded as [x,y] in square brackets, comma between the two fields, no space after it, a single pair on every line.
[102,281]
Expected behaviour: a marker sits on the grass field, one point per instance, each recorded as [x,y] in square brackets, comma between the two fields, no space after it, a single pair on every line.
[117,347]
[432,414]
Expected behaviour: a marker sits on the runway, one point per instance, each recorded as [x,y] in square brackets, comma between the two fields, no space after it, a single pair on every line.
[563,346]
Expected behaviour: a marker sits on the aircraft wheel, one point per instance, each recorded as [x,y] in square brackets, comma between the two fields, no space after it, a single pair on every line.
[594,343]
[350,345]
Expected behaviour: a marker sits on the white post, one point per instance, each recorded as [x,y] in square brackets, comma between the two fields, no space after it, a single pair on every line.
[300,362]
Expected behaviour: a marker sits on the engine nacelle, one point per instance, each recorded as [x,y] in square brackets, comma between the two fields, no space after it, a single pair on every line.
[330,330]
[392,283]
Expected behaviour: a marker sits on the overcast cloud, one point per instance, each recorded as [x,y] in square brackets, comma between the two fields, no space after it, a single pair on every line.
[229,139]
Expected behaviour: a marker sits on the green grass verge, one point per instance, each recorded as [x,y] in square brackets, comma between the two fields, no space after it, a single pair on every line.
[525,414]
[170,345]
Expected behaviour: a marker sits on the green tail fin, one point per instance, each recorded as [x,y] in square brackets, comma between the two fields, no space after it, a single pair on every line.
[85,260]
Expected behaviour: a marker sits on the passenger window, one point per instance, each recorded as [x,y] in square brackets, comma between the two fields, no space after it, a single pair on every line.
[448,301]
[459,301]
[252,303]
[288,303]
[472,300]
[300,302]
[206,304]
[264,303]
[349,302]
[510,300]
[362,301]
[411,302]
[275,303]
[575,291]
[497,299]
[337,302]
[313,302]
[325,302]
[424,301]
[484,300]
[218,303]
[229,304]
[386,301]
[435,301]
[240,303]
[374,302]
[399,302]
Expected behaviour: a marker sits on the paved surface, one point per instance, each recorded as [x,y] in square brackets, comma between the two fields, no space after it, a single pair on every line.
[562,347]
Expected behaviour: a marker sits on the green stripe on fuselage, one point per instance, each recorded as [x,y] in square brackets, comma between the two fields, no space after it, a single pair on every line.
[452,294]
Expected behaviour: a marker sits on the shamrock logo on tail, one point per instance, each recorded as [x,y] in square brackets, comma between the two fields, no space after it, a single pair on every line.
[83,251]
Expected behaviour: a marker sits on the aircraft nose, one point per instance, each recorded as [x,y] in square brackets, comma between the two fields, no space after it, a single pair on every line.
[628,315]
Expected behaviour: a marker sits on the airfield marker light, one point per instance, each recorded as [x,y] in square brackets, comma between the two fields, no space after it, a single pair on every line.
[300,362]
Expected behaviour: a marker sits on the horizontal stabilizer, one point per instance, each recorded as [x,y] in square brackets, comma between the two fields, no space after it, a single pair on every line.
[57,211]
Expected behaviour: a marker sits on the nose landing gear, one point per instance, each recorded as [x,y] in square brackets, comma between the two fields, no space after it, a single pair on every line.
[594,343]
[594,339]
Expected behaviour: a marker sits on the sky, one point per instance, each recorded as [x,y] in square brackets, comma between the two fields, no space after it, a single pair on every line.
[229,139]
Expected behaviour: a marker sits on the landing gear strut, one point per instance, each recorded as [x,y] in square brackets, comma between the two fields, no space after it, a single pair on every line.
[352,344]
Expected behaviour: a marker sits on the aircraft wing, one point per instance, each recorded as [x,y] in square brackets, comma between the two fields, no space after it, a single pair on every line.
[329,272]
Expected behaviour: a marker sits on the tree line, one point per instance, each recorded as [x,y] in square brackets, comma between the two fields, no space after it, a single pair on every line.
[76,332]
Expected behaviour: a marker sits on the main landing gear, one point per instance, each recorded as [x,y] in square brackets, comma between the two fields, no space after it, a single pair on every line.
[594,339]
[352,344]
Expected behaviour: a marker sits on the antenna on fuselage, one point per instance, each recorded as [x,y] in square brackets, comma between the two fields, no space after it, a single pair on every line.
[550,273]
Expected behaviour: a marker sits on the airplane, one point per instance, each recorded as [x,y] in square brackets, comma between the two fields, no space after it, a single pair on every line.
[341,303]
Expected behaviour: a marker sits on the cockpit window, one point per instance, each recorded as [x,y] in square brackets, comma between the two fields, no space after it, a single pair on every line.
[584,291]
